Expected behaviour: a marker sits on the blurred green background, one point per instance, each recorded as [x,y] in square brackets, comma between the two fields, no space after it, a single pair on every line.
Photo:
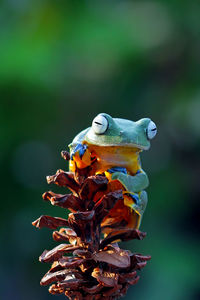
[62,63]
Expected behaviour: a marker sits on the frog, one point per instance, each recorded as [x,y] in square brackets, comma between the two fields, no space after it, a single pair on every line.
[112,147]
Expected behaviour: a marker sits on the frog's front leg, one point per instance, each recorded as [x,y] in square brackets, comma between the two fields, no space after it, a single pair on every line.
[80,157]
[133,184]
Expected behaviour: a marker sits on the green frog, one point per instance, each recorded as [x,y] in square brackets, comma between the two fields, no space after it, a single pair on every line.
[111,146]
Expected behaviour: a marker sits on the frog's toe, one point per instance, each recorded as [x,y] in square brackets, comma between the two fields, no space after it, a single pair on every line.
[132,201]
[137,202]
[117,169]
[80,148]
[135,198]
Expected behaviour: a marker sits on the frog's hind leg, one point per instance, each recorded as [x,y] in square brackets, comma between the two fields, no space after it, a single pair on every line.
[127,212]
[137,207]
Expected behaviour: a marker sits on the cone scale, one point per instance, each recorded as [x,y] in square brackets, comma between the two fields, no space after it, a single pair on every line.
[87,263]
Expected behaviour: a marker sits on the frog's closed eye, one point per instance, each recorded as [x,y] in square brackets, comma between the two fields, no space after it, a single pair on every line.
[100,124]
[151,130]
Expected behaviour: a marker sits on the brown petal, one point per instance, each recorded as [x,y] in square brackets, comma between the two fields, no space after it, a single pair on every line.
[50,277]
[83,253]
[84,224]
[82,216]
[57,252]
[124,290]
[87,267]
[62,178]
[82,174]
[113,256]
[123,234]
[71,283]
[141,258]
[92,185]
[58,237]
[139,261]
[69,201]
[96,297]
[107,202]
[94,289]
[65,234]
[113,292]
[126,276]
[111,223]
[55,267]
[130,278]
[50,222]
[105,278]
[133,280]
[141,265]
[70,262]
[55,290]
[79,222]
[65,155]
[74,295]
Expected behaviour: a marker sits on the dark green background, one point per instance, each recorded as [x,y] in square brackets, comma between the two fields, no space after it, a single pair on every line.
[62,63]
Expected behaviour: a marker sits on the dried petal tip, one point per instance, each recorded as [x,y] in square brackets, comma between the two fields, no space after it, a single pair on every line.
[50,222]
[65,179]
[65,155]
[69,201]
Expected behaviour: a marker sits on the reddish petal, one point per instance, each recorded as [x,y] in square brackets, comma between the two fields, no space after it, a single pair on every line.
[57,252]
[68,201]
[65,155]
[113,256]
[123,234]
[92,185]
[105,278]
[50,222]
[62,178]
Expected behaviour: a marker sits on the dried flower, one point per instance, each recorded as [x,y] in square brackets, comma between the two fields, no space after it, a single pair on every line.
[97,267]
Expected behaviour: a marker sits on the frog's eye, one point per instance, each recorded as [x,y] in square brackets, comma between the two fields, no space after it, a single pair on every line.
[100,124]
[151,130]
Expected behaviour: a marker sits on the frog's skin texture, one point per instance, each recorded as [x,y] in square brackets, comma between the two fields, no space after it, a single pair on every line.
[112,146]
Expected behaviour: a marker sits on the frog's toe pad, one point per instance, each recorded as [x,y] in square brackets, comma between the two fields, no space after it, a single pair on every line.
[117,169]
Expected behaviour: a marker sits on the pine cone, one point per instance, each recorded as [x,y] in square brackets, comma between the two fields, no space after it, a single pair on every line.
[97,267]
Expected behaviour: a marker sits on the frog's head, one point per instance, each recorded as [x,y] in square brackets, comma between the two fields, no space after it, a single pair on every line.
[108,131]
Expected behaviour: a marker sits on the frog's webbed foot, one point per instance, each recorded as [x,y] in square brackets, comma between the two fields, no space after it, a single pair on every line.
[79,149]
[134,197]
[133,183]
[81,156]
[117,169]
[137,202]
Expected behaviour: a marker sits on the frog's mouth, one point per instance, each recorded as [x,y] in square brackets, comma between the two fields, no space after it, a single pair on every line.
[130,146]
[133,146]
